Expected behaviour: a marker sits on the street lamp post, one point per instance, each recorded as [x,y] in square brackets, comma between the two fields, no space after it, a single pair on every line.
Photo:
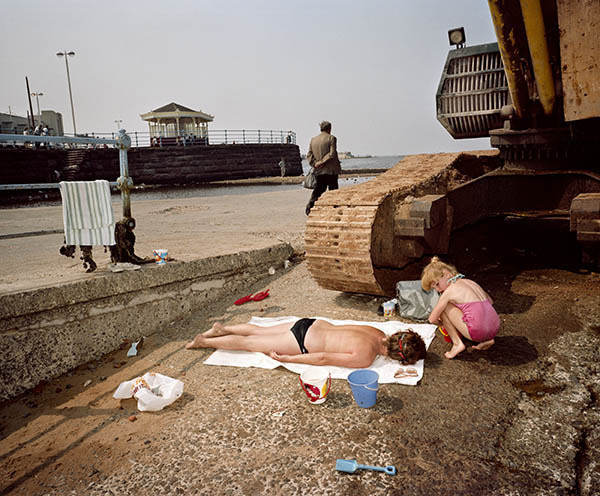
[66,55]
[118,122]
[37,100]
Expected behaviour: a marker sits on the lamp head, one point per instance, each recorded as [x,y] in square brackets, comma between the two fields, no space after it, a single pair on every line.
[457,37]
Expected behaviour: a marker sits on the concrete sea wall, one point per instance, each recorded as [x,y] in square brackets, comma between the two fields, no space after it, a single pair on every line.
[168,165]
[48,331]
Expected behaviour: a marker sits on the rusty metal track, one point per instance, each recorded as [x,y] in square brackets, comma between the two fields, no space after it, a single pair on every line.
[349,234]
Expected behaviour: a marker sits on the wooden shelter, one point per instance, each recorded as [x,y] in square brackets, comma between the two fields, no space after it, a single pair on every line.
[174,123]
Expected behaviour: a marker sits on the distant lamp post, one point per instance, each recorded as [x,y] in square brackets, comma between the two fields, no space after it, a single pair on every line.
[118,121]
[37,100]
[66,55]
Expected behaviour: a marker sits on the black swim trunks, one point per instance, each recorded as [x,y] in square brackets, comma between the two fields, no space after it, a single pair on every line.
[299,330]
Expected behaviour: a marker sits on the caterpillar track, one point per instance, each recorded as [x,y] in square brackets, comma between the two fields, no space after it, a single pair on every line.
[361,239]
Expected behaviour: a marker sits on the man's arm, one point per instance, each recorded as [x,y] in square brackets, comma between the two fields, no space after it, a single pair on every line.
[352,360]
[309,155]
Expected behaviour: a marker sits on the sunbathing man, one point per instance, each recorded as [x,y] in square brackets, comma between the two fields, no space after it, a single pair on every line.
[315,342]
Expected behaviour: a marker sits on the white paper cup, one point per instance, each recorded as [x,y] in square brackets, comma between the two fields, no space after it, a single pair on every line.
[389,308]
[316,383]
[160,256]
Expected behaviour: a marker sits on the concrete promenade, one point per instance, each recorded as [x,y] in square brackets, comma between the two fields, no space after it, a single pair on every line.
[521,418]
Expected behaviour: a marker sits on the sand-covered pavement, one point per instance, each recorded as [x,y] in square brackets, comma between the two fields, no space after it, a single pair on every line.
[521,418]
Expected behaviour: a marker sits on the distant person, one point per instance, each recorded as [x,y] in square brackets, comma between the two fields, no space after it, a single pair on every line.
[288,138]
[322,155]
[283,166]
[315,342]
[464,308]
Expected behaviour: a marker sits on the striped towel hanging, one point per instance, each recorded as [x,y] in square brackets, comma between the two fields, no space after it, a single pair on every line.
[87,213]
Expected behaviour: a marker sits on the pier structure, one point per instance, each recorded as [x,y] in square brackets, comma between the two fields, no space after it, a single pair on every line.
[174,124]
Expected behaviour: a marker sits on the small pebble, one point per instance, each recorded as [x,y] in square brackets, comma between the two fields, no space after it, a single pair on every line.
[133,418]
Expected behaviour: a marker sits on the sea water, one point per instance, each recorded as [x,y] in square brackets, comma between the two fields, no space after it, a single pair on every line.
[207,190]
[358,163]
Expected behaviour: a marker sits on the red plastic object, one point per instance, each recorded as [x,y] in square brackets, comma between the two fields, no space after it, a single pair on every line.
[445,334]
[261,296]
[243,300]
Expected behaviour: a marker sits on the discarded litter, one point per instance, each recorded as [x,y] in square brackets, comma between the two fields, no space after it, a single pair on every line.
[271,271]
[261,296]
[352,466]
[122,266]
[153,391]
[160,256]
[87,383]
[133,351]
[257,297]
[287,264]
[280,413]
[243,299]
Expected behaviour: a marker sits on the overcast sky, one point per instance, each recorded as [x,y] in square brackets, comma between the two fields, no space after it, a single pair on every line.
[370,67]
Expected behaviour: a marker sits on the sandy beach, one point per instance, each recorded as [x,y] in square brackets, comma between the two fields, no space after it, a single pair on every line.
[521,418]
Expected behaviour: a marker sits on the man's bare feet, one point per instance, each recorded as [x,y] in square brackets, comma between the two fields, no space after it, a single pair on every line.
[455,350]
[197,342]
[215,331]
[485,345]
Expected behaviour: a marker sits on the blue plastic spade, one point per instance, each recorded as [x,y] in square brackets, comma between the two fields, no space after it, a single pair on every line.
[352,466]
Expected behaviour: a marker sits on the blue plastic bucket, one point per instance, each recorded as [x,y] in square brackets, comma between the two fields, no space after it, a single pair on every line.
[364,385]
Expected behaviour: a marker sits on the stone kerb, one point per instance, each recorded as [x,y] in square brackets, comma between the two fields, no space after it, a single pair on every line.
[49,331]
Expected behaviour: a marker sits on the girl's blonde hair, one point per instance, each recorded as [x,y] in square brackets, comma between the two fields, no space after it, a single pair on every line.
[434,270]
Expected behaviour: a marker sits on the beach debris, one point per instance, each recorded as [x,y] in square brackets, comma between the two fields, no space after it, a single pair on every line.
[351,466]
[244,299]
[287,264]
[132,418]
[133,351]
[279,413]
[87,383]
[153,391]
[122,266]
[271,271]
[261,296]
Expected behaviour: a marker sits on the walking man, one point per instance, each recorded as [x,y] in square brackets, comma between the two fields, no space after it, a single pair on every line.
[322,155]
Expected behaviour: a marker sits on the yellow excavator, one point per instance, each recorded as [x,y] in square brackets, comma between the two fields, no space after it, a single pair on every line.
[536,93]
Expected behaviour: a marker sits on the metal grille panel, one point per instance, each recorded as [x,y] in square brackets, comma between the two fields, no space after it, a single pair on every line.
[472,91]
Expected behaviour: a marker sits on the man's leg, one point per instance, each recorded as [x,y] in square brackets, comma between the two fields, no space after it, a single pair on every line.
[317,192]
[332,181]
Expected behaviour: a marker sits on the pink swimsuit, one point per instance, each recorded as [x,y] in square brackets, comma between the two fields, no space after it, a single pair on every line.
[481,319]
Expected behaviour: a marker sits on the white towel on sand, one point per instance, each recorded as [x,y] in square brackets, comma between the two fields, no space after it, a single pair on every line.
[87,213]
[385,367]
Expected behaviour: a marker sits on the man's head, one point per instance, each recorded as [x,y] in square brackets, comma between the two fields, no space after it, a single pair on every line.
[406,346]
[325,127]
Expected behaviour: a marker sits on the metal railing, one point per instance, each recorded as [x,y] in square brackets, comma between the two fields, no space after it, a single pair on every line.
[143,139]
[121,141]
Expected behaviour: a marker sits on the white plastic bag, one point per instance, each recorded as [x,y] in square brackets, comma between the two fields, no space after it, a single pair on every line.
[310,180]
[153,391]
